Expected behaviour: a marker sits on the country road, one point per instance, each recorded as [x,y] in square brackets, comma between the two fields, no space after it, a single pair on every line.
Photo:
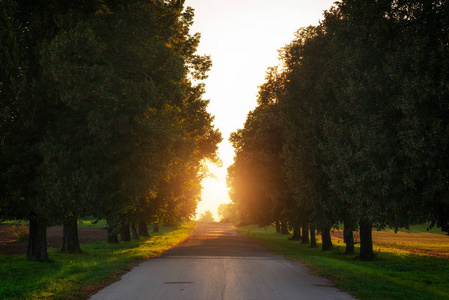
[217,263]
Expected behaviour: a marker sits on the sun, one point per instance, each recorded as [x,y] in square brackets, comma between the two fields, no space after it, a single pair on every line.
[214,192]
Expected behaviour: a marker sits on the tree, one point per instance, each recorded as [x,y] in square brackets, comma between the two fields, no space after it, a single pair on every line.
[104,108]
[104,117]
[256,179]
[418,66]
[303,109]
[361,140]
[246,177]
[137,108]
[228,213]
[364,113]
[348,124]
[206,216]
[26,113]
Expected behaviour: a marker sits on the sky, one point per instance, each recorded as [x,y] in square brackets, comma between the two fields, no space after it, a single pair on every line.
[243,38]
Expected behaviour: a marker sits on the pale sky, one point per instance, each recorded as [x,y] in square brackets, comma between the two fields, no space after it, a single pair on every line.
[243,38]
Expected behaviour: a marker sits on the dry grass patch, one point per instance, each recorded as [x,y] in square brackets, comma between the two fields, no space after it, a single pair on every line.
[421,243]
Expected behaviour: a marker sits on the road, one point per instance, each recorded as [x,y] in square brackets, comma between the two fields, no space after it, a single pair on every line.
[216,263]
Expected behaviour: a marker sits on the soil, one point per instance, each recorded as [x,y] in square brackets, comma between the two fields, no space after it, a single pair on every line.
[10,246]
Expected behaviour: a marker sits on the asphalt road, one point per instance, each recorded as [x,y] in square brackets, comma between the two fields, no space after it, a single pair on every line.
[216,263]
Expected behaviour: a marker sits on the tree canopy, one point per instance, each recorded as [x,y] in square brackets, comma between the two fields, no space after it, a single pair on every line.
[102,114]
[363,124]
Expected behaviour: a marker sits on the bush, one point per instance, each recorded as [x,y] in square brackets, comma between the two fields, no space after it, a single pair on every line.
[22,233]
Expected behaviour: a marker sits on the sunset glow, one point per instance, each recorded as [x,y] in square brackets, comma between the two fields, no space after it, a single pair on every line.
[243,38]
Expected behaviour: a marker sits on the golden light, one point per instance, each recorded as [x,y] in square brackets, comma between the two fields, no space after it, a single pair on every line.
[243,38]
[214,191]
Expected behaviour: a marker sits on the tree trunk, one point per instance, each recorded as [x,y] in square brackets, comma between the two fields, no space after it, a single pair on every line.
[142,229]
[134,231]
[305,234]
[296,232]
[37,241]
[112,231]
[112,236]
[312,237]
[155,227]
[70,240]
[326,239]
[278,226]
[284,227]
[348,238]
[366,240]
[125,233]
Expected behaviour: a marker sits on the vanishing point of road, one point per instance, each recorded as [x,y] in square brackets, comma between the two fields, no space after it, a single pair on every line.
[215,263]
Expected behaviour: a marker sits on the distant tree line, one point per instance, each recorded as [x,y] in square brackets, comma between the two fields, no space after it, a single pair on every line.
[353,127]
[101,115]
[229,213]
[206,216]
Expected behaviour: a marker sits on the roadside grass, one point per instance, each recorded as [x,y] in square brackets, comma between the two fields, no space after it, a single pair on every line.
[83,223]
[394,274]
[76,276]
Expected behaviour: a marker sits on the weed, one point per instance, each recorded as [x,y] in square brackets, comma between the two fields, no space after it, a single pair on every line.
[22,233]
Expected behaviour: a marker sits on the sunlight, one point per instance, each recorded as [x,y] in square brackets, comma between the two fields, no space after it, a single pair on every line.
[213,187]
[214,191]
[243,38]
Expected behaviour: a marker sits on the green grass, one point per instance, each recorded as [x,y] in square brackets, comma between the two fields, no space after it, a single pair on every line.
[82,223]
[14,222]
[75,276]
[421,228]
[392,275]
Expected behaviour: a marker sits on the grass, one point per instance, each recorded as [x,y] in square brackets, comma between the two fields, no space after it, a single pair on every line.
[416,242]
[76,276]
[394,274]
[82,223]
[421,228]
[14,222]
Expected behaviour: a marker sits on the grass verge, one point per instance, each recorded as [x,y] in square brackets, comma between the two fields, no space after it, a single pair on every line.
[83,223]
[76,276]
[392,275]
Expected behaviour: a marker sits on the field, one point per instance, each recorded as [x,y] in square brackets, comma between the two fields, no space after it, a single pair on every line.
[409,265]
[76,276]
[14,238]
[415,241]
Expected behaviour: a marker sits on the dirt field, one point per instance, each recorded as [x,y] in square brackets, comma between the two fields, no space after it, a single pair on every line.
[9,244]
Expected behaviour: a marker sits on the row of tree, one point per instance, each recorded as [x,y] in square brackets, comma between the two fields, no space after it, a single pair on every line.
[101,115]
[229,213]
[353,127]
[206,216]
